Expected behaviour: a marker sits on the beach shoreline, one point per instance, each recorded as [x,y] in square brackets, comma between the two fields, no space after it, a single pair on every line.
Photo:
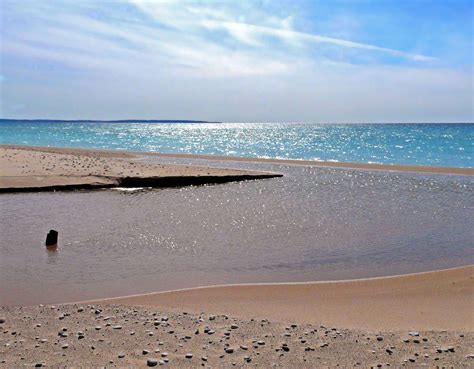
[194,327]
[25,169]
[316,163]
[396,320]
[416,300]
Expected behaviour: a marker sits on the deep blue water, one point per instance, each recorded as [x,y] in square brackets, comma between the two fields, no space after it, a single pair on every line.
[418,144]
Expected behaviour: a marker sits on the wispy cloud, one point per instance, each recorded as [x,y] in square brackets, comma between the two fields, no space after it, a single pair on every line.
[230,52]
[192,35]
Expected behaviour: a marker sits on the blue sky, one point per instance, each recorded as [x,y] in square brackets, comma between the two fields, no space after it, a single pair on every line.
[261,61]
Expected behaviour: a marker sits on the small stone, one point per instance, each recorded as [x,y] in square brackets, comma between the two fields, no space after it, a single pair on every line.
[204,358]
[243,347]
[379,338]
[121,355]
[152,362]
[118,327]
[188,355]
[261,343]
[38,365]
[145,352]
[2,320]
[234,326]
[212,317]
[229,350]
[65,346]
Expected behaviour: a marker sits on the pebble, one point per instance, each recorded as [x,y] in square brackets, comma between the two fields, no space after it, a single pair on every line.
[152,362]
[189,355]
[121,355]
[229,350]
[2,320]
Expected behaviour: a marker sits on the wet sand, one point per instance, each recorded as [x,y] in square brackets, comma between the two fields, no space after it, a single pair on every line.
[441,300]
[43,169]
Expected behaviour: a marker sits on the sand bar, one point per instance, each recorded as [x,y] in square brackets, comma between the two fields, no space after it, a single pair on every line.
[35,169]
[316,163]
[442,300]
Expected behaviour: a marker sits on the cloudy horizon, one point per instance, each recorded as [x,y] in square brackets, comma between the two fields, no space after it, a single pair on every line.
[249,61]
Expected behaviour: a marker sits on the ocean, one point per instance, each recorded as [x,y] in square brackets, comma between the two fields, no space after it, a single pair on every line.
[314,223]
[450,145]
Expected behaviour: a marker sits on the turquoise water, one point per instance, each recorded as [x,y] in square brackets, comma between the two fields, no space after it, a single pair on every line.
[417,144]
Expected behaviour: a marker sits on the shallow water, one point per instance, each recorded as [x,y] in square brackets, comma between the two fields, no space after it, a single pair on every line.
[417,144]
[311,224]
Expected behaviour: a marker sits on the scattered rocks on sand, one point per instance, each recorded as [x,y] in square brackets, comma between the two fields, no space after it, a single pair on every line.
[39,337]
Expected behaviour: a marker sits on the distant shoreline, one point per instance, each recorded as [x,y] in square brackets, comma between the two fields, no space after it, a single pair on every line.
[104,121]
[3,120]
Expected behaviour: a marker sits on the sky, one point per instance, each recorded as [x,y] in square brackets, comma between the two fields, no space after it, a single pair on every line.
[238,61]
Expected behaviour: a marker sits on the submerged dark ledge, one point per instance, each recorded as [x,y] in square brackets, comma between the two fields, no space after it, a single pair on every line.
[154,182]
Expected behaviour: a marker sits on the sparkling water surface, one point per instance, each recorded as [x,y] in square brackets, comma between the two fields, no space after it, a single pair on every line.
[416,144]
[312,224]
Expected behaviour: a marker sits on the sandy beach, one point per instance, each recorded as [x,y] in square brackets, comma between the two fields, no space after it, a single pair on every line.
[35,169]
[416,301]
[422,319]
